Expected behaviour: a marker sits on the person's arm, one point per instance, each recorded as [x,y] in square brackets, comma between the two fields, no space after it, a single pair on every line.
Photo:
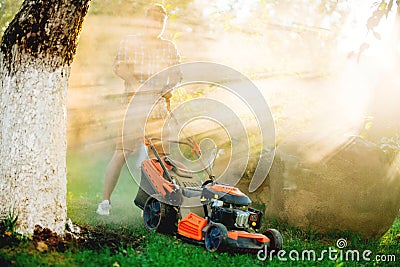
[123,66]
[175,76]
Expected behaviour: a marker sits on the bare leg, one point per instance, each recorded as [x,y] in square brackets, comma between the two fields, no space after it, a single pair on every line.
[113,172]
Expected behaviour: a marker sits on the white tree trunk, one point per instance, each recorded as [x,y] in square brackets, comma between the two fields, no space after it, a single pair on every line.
[36,52]
[33,146]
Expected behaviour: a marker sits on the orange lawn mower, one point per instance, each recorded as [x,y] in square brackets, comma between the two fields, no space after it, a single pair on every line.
[177,201]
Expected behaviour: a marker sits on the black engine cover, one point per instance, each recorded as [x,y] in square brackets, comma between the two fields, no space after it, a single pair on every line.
[227,217]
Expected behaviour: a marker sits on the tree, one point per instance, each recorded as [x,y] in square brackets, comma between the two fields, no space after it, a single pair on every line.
[36,52]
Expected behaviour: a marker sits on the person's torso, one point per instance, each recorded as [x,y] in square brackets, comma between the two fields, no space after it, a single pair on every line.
[150,56]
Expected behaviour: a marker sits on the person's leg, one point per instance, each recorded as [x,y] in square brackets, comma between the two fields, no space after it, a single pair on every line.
[113,172]
[125,145]
[111,177]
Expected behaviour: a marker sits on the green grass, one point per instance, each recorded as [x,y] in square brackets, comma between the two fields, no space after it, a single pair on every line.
[85,181]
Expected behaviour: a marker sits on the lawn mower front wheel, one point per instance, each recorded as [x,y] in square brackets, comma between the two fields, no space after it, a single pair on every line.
[216,237]
[159,216]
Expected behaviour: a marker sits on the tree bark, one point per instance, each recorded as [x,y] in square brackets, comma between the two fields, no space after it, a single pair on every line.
[36,52]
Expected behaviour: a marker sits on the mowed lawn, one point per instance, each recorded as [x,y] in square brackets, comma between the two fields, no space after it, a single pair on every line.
[85,182]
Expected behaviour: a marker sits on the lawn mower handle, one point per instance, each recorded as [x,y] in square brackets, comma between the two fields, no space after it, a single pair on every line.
[149,140]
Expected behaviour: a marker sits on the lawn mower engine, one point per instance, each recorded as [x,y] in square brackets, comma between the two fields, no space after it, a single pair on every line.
[230,207]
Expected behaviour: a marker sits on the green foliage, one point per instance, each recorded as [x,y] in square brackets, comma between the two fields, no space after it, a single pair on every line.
[9,222]
[8,9]
[8,234]
[259,206]
[391,237]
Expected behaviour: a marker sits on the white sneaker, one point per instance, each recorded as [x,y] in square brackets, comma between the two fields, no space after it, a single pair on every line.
[104,208]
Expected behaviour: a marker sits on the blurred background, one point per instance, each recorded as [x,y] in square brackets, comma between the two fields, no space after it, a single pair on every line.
[318,63]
